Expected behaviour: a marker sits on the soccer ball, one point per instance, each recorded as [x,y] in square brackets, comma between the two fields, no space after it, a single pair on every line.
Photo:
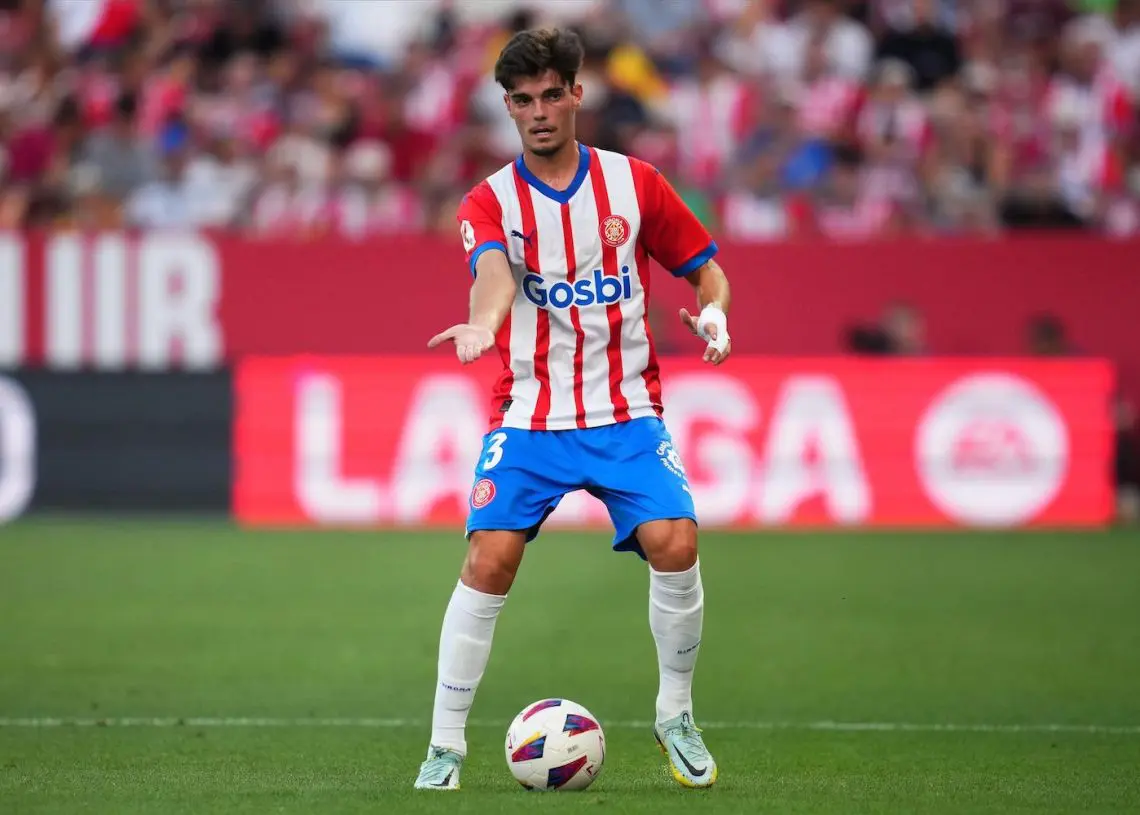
[555,744]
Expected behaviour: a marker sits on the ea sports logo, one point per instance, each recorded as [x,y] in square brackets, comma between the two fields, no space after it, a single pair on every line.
[482,493]
[992,450]
[614,230]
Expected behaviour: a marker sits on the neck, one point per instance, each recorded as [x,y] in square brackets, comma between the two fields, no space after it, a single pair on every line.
[557,166]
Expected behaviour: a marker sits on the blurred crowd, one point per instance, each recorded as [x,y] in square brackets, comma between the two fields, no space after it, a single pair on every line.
[775,119]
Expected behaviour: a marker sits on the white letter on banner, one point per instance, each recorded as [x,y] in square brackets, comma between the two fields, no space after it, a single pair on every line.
[12,303]
[725,457]
[812,450]
[64,293]
[179,286]
[17,450]
[321,490]
[439,447]
[110,256]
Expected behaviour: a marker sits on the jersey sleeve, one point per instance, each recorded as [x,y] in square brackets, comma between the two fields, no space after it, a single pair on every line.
[480,224]
[670,232]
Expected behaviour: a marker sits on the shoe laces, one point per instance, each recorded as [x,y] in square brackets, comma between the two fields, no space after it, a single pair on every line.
[440,762]
[688,734]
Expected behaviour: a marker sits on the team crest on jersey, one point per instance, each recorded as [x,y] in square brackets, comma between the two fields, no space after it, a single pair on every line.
[482,493]
[614,230]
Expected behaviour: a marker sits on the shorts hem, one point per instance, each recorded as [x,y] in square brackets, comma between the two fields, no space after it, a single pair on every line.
[531,530]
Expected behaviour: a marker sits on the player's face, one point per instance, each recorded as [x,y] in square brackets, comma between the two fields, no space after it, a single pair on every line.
[543,108]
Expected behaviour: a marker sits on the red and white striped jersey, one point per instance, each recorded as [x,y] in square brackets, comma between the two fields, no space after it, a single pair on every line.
[1103,106]
[576,347]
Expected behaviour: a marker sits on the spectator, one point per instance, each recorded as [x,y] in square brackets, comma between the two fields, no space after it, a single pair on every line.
[755,209]
[924,43]
[905,329]
[1046,337]
[763,43]
[849,207]
[174,198]
[119,159]
[712,111]
[1126,462]
[900,331]
[1122,44]
[965,116]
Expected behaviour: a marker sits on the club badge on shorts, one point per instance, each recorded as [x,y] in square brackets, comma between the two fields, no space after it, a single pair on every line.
[482,493]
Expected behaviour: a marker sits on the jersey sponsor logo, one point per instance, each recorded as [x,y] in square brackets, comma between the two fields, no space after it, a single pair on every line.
[586,291]
[527,238]
[482,493]
[614,230]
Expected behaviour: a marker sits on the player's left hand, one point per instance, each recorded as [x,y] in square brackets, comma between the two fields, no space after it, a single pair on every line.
[711,325]
[470,340]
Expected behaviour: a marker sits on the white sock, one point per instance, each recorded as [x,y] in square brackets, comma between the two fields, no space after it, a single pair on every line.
[676,614]
[464,648]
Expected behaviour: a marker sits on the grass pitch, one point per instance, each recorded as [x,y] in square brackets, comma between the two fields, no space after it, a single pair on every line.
[238,671]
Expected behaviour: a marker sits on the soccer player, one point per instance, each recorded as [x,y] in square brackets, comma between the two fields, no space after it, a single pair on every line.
[559,243]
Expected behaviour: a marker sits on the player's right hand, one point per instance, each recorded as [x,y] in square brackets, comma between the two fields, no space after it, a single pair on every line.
[471,341]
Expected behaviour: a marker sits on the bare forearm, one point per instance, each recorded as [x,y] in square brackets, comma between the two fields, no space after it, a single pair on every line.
[493,292]
[712,286]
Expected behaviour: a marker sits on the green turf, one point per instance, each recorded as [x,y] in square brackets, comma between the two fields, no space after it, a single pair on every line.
[165,619]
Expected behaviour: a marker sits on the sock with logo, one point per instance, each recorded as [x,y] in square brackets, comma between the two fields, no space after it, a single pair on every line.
[676,615]
[464,648]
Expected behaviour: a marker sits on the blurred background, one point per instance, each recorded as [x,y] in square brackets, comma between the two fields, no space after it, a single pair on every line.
[777,119]
[237,480]
[975,166]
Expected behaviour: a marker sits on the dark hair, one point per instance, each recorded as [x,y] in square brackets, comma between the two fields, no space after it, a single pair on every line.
[536,51]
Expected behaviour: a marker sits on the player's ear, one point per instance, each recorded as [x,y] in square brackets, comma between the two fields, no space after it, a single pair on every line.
[576,94]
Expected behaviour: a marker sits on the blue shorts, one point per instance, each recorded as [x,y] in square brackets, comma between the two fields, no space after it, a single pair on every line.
[630,466]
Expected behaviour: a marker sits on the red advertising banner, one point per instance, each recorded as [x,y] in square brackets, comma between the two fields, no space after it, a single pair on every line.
[160,300]
[392,441]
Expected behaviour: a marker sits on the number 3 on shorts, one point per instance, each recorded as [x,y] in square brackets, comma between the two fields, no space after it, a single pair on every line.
[494,451]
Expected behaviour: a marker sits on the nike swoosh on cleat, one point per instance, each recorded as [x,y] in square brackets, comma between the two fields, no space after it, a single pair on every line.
[444,782]
[695,772]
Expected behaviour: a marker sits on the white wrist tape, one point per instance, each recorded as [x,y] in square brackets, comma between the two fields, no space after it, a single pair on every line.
[713,314]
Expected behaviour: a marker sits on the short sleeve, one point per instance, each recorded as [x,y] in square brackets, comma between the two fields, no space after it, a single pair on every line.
[480,224]
[670,232]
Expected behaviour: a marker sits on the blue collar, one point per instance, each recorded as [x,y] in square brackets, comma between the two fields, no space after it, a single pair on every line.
[561,196]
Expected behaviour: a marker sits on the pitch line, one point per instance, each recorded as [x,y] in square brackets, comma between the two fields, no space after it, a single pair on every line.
[825,726]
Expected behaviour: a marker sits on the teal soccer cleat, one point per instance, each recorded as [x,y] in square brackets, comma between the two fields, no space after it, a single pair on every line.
[680,740]
[440,771]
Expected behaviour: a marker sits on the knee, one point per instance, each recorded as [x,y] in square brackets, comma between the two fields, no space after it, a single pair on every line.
[669,546]
[492,561]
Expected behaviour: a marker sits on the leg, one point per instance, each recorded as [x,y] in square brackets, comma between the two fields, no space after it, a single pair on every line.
[676,609]
[493,559]
[652,509]
[512,495]
[676,618]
